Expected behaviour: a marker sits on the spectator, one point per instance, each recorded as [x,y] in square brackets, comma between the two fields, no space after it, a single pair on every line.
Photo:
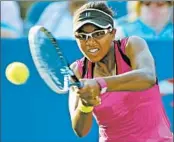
[153,21]
[11,22]
[57,17]
[131,6]
[129,17]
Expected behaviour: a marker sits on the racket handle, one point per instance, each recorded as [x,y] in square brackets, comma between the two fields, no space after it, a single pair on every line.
[78,84]
[75,82]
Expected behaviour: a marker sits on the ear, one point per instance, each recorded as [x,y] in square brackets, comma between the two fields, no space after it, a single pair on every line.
[113,33]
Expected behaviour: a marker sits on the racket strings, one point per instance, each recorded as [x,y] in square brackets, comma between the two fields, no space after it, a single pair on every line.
[50,61]
[65,69]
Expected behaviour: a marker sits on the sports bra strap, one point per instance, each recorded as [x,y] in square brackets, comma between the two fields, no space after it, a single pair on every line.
[122,60]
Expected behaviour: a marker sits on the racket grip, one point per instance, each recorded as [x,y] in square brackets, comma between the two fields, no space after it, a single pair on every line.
[78,84]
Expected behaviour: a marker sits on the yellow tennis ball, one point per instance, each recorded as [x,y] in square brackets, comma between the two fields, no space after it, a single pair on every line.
[17,73]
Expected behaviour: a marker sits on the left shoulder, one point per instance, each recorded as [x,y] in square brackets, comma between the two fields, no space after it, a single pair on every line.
[135,44]
[136,41]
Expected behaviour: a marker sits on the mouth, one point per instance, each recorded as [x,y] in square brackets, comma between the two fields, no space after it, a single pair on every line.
[94,50]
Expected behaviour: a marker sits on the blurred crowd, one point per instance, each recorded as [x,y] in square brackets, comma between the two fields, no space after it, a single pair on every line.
[146,19]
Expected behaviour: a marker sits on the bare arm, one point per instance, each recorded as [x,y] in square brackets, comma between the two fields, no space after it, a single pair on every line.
[81,122]
[142,75]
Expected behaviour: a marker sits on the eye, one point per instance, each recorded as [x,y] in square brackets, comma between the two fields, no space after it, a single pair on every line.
[98,34]
[146,3]
[80,36]
[160,4]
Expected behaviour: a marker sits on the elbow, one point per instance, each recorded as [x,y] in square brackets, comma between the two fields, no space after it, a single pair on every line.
[80,130]
[80,133]
[150,79]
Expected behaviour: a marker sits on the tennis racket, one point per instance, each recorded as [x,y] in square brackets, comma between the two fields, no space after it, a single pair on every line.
[50,62]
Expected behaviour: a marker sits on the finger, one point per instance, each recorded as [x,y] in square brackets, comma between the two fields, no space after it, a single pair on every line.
[98,99]
[74,88]
[93,101]
[83,90]
[90,102]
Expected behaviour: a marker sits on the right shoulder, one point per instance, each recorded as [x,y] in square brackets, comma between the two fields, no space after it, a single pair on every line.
[73,98]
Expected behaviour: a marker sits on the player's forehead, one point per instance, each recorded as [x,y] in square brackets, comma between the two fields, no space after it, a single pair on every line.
[88,28]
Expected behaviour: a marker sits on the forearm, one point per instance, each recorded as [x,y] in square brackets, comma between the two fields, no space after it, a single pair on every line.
[135,80]
[81,122]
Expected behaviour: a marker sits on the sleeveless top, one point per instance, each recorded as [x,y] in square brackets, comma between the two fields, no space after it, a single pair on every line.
[129,116]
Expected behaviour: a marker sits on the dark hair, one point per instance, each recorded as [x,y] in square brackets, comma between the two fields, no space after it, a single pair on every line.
[97,5]
[169,2]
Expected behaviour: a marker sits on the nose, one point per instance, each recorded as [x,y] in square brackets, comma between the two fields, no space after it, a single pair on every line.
[90,41]
[88,37]
[153,4]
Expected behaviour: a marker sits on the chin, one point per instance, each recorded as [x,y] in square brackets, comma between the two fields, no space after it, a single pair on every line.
[94,59]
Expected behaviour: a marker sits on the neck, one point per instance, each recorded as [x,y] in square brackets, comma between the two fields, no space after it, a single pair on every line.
[109,59]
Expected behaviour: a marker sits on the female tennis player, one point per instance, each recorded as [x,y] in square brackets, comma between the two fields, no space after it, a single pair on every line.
[120,86]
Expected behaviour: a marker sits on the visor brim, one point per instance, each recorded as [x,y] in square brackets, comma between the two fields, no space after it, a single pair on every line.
[96,22]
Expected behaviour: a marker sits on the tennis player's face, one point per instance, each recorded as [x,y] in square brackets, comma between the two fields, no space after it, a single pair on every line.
[96,45]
